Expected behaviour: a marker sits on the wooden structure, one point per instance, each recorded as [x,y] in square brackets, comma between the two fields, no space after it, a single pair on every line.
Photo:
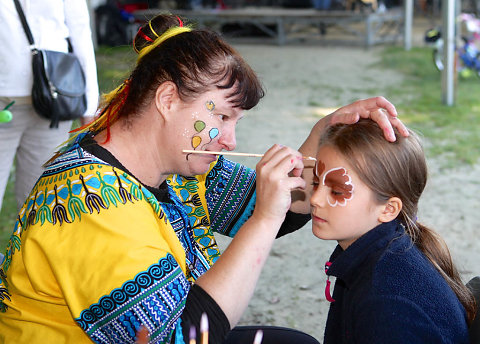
[280,23]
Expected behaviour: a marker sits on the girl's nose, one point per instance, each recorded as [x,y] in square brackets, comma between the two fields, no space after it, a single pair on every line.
[319,197]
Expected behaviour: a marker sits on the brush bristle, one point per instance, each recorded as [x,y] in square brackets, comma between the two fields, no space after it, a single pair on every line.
[204,323]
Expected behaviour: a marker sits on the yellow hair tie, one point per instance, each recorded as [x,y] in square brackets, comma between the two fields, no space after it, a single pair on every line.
[166,35]
[151,29]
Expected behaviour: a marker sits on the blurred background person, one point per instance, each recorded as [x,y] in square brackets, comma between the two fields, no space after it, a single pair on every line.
[27,137]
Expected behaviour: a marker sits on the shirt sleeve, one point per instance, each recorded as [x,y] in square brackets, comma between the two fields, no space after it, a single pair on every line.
[231,199]
[293,221]
[230,195]
[77,19]
[199,302]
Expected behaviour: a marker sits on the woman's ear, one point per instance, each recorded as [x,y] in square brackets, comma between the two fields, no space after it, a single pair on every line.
[390,210]
[165,96]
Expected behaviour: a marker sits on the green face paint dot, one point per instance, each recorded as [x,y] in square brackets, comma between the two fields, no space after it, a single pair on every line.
[199,126]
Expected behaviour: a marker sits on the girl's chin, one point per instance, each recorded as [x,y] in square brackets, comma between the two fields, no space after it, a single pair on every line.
[321,234]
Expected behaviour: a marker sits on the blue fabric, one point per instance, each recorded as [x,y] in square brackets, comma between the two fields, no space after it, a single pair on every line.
[387,291]
[245,216]
[230,190]
[179,333]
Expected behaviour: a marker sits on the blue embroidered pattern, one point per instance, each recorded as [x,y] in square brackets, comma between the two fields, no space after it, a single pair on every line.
[228,186]
[155,299]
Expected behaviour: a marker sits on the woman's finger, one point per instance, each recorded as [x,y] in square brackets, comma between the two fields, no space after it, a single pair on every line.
[382,103]
[377,109]
[293,183]
[398,124]
[383,121]
[271,152]
[276,154]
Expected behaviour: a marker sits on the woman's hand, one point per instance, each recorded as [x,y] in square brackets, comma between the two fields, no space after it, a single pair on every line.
[278,173]
[378,109]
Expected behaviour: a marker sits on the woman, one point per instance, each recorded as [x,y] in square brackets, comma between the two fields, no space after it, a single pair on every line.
[118,232]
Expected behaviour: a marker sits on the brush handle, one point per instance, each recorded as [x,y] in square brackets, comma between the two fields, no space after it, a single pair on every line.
[235,154]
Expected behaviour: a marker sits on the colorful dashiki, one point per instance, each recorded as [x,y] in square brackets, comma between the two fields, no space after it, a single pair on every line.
[94,254]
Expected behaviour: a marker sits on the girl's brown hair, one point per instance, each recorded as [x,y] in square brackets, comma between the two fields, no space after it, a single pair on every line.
[398,169]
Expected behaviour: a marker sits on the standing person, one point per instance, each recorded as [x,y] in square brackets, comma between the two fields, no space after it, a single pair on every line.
[28,138]
[118,232]
[395,279]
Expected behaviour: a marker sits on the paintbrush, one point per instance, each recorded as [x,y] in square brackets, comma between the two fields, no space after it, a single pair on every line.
[142,335]
[204,329]
[258,337]
[192,335]
[235,154]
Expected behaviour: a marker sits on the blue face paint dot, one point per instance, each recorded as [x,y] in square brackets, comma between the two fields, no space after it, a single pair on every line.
[213,133]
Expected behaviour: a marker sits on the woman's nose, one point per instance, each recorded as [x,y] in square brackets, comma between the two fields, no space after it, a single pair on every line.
[227,139]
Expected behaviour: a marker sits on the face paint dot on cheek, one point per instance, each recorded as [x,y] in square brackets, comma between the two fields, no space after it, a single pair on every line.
[210,105]
[213,133]
[196,140]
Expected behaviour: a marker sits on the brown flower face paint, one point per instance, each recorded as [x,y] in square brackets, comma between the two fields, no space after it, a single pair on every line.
[339,183]
[319,168]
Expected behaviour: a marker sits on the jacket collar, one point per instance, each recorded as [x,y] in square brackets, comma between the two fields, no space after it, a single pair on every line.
[345,264]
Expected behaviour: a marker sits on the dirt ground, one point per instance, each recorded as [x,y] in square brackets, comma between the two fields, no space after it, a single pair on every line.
[303,82]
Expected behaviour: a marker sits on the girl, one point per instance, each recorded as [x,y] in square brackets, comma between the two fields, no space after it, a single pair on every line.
[395,280]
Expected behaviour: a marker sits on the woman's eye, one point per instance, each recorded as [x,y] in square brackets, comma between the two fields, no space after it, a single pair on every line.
[222,117]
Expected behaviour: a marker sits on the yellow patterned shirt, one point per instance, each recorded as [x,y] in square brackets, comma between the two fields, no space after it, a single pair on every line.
[94,255]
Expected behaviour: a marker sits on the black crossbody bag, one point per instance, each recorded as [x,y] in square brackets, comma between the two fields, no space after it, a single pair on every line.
[58,91]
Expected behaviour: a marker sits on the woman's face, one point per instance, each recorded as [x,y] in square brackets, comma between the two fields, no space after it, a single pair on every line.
[343,207]
[206,124]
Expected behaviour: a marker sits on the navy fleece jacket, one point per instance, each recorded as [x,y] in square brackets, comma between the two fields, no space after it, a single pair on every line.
[386,291]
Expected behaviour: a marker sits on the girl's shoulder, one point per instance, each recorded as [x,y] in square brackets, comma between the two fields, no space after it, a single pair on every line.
[404,272]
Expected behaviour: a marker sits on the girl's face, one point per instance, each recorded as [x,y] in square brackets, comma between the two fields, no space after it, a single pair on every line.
[343,208]
[207,124]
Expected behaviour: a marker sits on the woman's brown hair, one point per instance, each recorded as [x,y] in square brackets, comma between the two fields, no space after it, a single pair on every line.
[195,60]
[398,169]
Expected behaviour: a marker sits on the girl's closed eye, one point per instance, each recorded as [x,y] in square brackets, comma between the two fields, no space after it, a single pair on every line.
[337,192]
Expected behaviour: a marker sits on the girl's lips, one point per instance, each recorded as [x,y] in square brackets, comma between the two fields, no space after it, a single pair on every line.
[318,219]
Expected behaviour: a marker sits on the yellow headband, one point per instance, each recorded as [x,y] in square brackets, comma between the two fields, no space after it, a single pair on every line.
[166,35]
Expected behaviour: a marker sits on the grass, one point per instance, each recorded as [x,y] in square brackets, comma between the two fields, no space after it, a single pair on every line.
[451,133]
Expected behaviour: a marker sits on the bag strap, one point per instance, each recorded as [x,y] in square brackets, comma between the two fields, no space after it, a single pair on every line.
[26,28]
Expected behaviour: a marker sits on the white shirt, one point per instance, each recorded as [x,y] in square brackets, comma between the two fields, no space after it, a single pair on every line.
[50,21]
